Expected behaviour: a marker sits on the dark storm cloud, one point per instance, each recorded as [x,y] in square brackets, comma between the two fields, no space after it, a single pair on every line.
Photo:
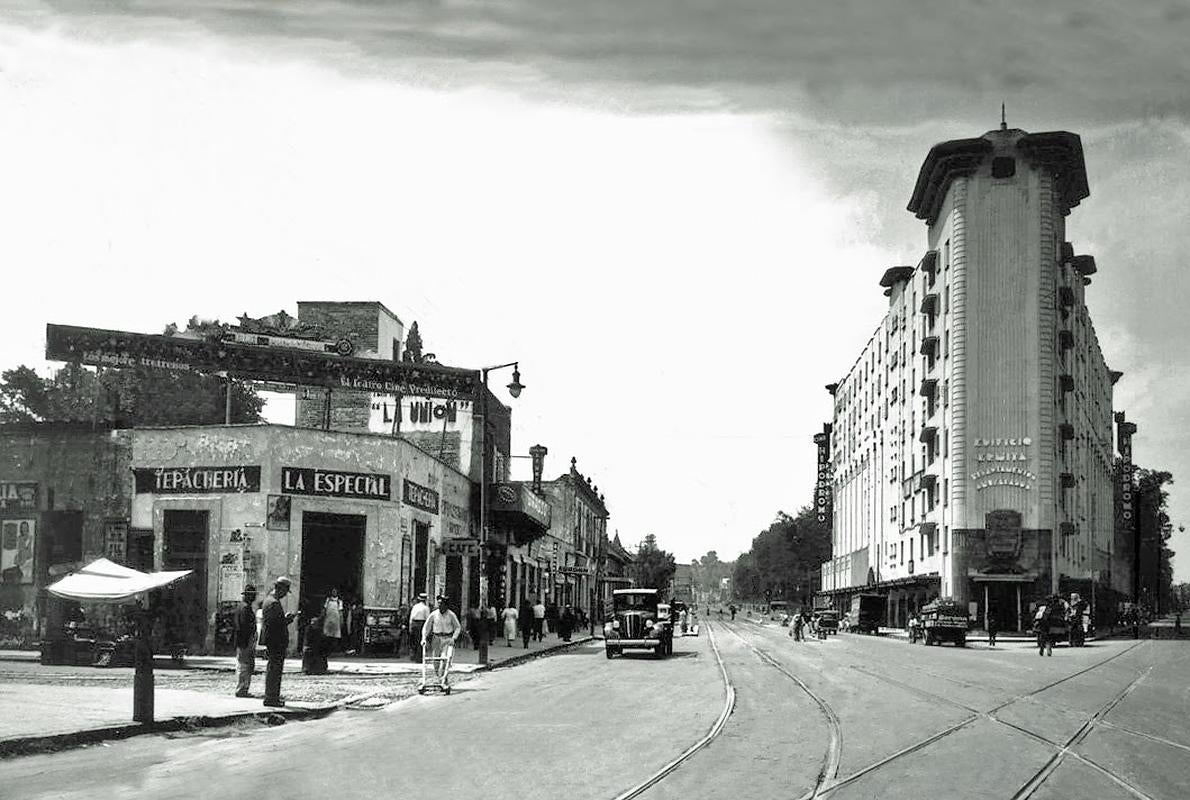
[850,61]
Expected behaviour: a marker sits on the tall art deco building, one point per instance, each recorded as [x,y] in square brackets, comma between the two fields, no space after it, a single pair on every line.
[971,441]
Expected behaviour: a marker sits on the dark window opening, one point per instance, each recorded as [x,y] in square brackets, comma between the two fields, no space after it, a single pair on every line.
[1003,167]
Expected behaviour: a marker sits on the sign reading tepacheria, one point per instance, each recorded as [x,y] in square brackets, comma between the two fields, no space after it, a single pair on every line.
[196,480]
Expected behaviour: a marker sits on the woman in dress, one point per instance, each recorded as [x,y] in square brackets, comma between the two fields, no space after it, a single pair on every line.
[332,622]
[510,617]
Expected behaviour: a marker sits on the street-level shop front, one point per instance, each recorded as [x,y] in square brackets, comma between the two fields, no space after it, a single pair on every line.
[369,516]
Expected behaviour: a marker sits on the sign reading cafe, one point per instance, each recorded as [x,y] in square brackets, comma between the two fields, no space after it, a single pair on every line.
[196,480]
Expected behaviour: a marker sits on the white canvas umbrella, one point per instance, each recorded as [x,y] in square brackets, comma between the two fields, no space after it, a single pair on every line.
[106,581]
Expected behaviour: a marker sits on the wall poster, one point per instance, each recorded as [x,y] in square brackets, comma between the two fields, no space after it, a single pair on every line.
[18,540]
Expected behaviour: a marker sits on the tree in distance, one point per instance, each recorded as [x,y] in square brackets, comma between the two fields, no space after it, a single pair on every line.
[653,567]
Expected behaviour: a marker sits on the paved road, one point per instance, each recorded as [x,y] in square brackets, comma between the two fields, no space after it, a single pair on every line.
[872,717]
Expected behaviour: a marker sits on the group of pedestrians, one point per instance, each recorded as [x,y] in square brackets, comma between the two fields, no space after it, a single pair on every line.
[532,619]
[423,629]
[273,634]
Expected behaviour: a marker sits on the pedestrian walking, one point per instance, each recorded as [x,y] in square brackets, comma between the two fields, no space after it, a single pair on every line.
[798,627]
[992,628]
[732,609]
[551,616]
[510,622]
[492,618]
[566,623]
[442,628]
[475,624]
[275,633]
[417,621]
[525,621]
[1046,617]
[245,641]
[401,635]
[332,623]
[538,619]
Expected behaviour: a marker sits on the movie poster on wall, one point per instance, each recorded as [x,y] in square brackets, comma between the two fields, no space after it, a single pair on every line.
[278,512]
[17,544]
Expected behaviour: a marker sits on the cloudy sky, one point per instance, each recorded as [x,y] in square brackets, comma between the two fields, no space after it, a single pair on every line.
[652,206]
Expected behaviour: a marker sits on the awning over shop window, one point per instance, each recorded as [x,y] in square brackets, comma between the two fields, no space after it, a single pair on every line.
[107,581]
[518,507]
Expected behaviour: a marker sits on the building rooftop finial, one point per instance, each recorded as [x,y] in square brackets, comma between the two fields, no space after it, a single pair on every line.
[1003,118]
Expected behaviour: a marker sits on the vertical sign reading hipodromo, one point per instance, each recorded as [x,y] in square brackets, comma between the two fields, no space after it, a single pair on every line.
[822,486]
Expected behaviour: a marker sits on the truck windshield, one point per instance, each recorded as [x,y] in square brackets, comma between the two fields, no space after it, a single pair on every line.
[635,602]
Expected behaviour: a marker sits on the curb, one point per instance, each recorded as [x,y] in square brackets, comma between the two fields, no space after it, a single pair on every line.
[33,745]
[526,657]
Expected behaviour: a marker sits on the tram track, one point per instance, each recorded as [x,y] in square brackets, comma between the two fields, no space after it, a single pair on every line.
[716,729]
[1038,779]
[834,750]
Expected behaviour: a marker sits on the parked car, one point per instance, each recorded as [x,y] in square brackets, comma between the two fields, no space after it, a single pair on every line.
[638,623]
[826,620]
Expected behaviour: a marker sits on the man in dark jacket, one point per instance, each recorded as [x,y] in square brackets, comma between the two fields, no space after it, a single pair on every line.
[276,640]
[245,641]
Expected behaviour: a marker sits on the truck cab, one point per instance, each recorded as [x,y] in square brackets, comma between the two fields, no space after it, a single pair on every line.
[637,623]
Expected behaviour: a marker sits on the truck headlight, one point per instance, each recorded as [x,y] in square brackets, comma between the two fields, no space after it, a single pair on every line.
[615,625]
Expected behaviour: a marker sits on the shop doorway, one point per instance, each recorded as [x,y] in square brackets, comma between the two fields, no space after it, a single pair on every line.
[1002,600]
[473,582]
[185,537]
[332,558]
[454,583]
[421,548]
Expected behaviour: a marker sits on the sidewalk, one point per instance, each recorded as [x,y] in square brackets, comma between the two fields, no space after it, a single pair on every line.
[466,659]
[35,717]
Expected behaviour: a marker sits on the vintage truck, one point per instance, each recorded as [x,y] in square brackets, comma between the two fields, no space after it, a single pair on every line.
[945,620]
[867,611]
[639,621]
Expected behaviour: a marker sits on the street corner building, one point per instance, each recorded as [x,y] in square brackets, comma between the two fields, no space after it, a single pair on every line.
[370,515]
[970,450]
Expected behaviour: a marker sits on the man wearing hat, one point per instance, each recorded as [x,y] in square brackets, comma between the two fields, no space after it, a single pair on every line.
[275,635]
[245,641]
[441,630]
[417,622]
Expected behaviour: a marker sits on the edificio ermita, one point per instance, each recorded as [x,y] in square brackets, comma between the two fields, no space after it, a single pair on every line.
[971,441]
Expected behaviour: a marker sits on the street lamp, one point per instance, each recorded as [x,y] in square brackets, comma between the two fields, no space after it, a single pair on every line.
[514,389]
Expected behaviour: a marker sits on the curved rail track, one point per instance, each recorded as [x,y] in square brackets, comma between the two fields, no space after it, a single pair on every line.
[828,781]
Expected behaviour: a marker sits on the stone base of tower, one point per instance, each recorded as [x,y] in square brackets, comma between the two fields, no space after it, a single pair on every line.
[1001,574]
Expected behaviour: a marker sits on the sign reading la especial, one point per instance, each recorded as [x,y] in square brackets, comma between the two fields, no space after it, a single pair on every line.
[420,496]
[333,483]
[196,480]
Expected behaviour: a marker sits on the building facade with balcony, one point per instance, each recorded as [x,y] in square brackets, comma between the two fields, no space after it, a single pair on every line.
[577,541]
[971,441]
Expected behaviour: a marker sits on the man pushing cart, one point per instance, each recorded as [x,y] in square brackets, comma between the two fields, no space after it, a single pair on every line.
[437,647]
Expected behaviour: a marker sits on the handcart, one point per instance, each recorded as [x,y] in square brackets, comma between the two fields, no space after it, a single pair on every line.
[430,678]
